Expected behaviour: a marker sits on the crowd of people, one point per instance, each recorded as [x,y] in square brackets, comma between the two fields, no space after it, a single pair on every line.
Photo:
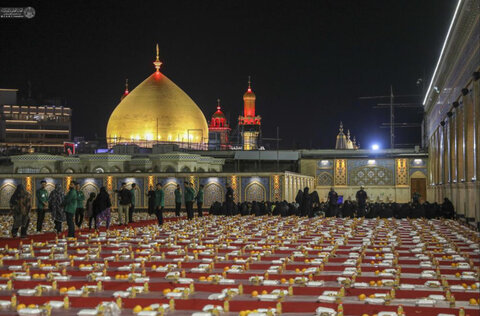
[69,207]
[308,204]
[72,208]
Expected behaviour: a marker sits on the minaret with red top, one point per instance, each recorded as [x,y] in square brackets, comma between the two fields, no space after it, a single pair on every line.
[126,92]
[249,123]
[218,130]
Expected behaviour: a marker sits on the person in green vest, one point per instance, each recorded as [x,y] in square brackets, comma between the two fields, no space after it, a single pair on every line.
[70,202]
[132,204]
[42,204]
[159,203]
[80,212]
[189,197]
[178,200]
[199,199]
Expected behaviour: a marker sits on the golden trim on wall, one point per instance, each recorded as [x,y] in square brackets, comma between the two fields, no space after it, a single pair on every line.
[401,171]
[340,177]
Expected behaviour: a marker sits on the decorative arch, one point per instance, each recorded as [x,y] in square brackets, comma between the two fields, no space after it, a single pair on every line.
[200,169]
[186,169]
[170,169]
[169,190]
[115,169]
[69,170]
[45,169]
[418,174]
[88,188]
[213,192]
[6,192]
[98,169]
[255,191]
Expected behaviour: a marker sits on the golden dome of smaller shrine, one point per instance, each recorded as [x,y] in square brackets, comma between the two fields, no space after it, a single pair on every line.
[218,118]
[218,113]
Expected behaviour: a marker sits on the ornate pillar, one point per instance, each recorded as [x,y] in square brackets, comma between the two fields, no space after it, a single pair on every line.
[469,154]
[460,143]
[476,121]
[459,162]
[451,157]
[452,130]
[469,135]
[438,178]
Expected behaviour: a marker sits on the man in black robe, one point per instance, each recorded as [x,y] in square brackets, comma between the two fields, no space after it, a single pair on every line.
[347,210]
[332,203]
[416,198]
[362,201]
[229,200]
[306,206]
[448,211]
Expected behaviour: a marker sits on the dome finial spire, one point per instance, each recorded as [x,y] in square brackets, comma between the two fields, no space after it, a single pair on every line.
[249,84]
[341,127]
[218,104]
[126,92]
[157,62]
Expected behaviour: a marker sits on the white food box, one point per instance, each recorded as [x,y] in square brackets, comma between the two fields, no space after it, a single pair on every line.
[26,292]
[325,311]
[87,312]
[326,299]
[29,311]
[267,297]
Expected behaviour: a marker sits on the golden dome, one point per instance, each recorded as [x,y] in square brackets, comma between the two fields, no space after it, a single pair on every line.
[157,110]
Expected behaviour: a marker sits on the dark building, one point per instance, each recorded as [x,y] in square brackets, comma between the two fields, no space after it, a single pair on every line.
[24,128]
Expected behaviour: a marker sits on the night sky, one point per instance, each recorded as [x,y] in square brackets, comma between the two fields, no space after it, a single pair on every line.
[310,61]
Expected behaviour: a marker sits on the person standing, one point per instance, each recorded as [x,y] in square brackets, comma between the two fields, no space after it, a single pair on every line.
[189,196]
[362,201]
[70,202]
[229,200]
[306,206]
[151,200]
[159,203]
[125,200]
[132,206]
[101,208]
[178,200]
[416,198]
[20,205]
[89,210]
[332,203]
[199,199]
[55,203]
[42,204]
[80,212]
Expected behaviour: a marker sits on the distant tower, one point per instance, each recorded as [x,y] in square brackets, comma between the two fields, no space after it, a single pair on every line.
[344,141]
[249,123]
[218,130]
[341,139]
[349,141]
